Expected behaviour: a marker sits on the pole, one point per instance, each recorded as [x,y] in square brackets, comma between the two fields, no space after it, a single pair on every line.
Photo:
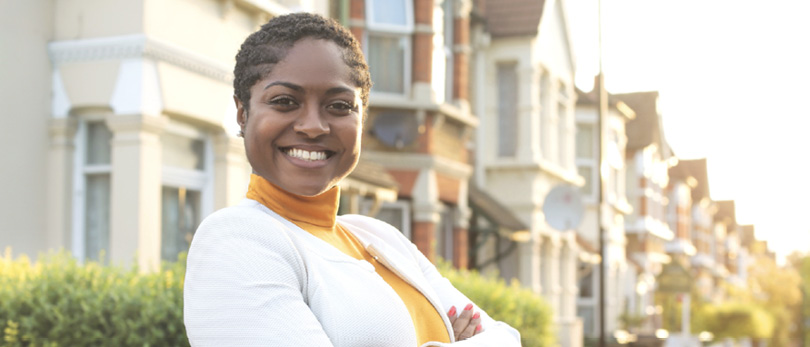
[602,97]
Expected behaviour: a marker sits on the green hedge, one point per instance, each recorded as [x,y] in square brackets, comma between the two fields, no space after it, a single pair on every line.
[57,301]
[736,320]
[519,307]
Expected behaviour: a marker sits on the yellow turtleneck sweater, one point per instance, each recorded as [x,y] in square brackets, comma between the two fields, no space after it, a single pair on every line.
[317,216]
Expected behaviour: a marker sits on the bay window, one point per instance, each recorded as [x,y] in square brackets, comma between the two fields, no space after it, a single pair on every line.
[390,27]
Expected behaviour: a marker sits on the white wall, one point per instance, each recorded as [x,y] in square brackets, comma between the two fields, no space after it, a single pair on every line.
[25,29]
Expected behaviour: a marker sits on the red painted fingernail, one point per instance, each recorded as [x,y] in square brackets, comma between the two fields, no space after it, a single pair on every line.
[478,328]
[476,315]
[468,307]
[452,311]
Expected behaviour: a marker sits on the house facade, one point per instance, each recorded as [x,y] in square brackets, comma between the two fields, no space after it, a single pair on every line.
[613,208]
[648,160]
[420,122]
[133,124]
[523,73]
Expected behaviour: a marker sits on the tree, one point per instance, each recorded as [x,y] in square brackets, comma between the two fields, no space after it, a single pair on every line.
[776,289]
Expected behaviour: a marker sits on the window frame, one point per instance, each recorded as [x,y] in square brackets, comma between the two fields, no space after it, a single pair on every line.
[403,32]
[449,32]
[81,171]
[588,162]
[507,151]
[201,181]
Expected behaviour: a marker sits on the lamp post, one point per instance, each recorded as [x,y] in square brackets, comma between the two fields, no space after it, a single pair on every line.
[602,104]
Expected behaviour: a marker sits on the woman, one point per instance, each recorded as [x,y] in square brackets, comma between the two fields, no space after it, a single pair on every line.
[281,269]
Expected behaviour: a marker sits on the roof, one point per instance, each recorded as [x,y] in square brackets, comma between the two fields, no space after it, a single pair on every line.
[374,174]
[512,17]
[647,127]
[591,98]
[725,210]
[696,168]
[747,237]
[494,210]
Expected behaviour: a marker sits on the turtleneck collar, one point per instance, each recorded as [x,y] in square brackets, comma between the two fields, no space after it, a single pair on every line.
[319,210]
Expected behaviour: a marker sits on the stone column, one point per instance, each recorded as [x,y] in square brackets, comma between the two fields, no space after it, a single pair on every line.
[231,170]
[426,212]
[461,225]
[422,51]
[551,266]
[135,201]
[461,50]
[530,263]
[60,183]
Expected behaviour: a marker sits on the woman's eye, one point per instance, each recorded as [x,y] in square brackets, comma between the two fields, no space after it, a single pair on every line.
[341,106]
[283,102]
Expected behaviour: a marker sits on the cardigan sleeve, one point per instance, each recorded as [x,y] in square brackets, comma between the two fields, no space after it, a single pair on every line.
[494,333]
[244,283]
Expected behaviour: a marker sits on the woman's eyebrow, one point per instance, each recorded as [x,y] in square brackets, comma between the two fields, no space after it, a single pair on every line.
[290,85]
[339,90]
[293,86]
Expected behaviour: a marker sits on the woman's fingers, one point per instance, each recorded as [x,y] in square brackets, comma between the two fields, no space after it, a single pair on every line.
[452,315]
[474,327]
[463,321]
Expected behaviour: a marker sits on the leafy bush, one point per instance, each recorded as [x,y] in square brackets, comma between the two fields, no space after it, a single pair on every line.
[519,307]
[736,320]
[57,301]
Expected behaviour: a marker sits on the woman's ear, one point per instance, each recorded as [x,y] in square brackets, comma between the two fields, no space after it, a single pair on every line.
[241,115]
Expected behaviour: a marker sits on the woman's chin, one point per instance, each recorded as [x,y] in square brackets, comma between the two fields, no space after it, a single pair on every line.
[307,189]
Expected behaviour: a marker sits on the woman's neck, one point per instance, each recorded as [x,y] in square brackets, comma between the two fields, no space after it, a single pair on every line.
[319,211]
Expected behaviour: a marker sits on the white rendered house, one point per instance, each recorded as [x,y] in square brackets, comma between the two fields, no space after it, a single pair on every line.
[524,95]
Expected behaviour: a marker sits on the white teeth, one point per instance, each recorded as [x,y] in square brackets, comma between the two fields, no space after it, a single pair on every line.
[306,155]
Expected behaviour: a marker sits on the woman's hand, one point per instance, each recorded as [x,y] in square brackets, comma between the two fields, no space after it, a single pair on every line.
[466,324]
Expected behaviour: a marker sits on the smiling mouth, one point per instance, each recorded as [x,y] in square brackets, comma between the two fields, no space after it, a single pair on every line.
[307,155]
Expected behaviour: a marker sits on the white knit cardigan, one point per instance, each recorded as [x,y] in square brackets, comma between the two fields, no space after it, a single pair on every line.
[255,279]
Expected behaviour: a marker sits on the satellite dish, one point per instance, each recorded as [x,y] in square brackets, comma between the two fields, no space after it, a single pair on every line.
[563,207]
[395,129]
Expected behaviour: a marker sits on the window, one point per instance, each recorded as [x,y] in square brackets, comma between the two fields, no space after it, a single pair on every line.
[93,185]
[586,156]
[449,22]
[186,167]
[397,214]
[507,110]
[390,26]
[563,101]
[547,132]
[586,284]
[444,234]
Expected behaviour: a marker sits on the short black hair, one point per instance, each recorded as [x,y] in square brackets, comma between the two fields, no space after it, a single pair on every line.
[270,44]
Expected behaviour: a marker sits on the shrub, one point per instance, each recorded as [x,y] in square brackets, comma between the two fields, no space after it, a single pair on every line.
[57,301]
[519,307]
[737,320]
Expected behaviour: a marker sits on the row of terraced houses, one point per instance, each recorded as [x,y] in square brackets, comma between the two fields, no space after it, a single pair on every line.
[121,136]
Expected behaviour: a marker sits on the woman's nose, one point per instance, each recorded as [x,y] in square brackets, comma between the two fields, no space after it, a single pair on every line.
[311,122]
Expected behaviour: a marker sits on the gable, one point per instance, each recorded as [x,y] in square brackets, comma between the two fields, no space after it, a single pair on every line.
[553,48]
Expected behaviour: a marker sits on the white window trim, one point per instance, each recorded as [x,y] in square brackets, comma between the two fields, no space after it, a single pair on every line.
[449,52]
[405,43]
[404,33]
[405,208]
[387,27]
[80,172]
[198,180]
[589,162]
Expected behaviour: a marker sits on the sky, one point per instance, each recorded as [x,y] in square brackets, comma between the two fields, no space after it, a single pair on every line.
[734,80]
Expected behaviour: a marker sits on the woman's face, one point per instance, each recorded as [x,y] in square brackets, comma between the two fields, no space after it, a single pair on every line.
[303,127]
